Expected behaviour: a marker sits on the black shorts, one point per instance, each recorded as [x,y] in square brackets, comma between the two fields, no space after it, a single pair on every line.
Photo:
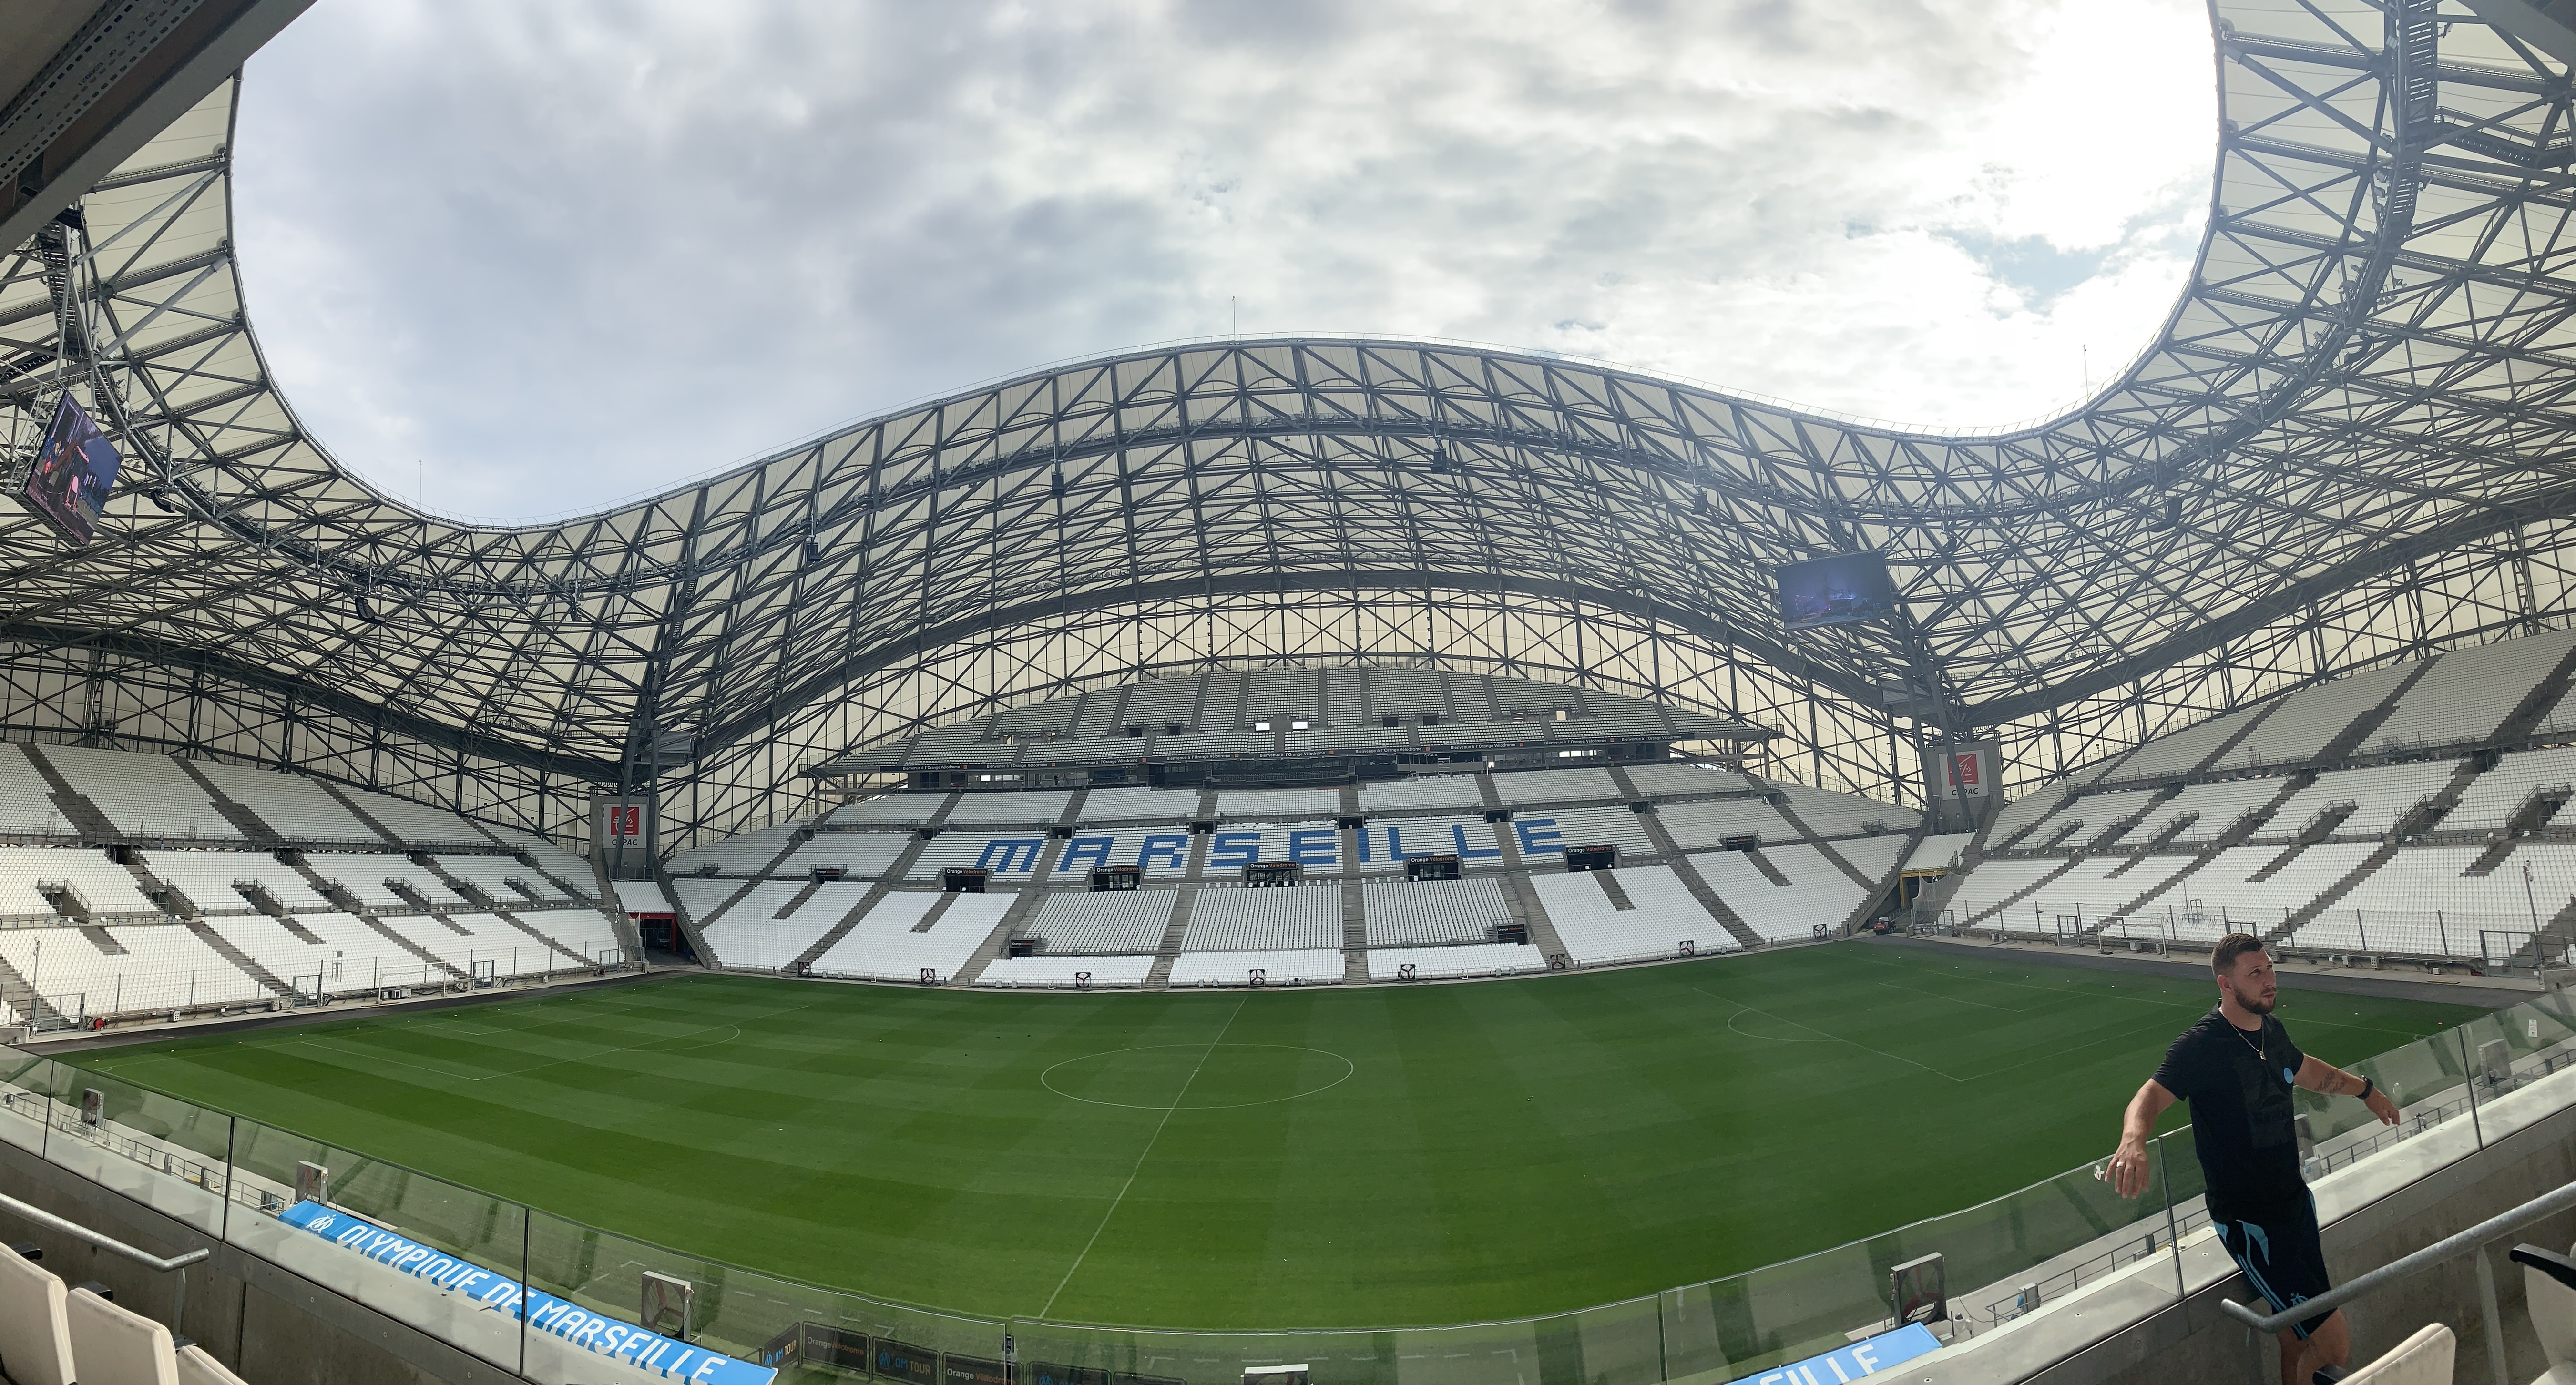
[2280,1253]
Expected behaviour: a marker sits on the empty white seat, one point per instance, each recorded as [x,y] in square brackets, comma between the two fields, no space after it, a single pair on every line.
[35,1329]
[198,1368]
[2551,1302]
[117,1344]
[2423,1359]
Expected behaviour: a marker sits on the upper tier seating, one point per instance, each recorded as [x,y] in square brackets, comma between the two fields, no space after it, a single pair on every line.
[2098,812]
[1139,805]
[1238,805]
[417,824]
[2382,794]
[2468,693]
[1031,807]
[296,808]
[2311,718]
[26,800]
[1710,822]
[1556,786]
[742,855]
[1307,967]
[1662,916]
[1265,920]
[2495,796]
[1106,922]
[502,880]
[1683,778]
[889,810]
[2182,751]
[1844,815]
[863,855]
[1421,792]
[2025,814]
[1433,911]
[144,795]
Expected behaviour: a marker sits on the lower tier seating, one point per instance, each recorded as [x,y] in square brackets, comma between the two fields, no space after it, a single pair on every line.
[1303,967]
[1436,963]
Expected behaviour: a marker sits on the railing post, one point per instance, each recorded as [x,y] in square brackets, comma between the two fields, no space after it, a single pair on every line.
[2469,1077]
[2173,1228]
[2494,1317]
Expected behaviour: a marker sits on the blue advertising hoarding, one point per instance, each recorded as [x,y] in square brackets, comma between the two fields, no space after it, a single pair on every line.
[501,1293]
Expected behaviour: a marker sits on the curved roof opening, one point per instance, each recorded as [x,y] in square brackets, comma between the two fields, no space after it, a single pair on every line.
[514,265]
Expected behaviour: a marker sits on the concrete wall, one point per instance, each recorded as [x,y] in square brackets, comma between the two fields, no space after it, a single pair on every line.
[267,1323]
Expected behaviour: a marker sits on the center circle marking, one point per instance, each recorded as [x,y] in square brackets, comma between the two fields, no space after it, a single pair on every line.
[1045,1078]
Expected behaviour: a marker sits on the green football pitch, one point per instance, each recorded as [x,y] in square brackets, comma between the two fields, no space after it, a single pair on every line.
[1327,1157]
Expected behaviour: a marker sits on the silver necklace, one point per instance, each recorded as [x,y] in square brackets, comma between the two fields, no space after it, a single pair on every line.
[2262,1051]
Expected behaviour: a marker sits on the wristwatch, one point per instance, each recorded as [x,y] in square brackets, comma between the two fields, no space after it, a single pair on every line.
[2367,1087]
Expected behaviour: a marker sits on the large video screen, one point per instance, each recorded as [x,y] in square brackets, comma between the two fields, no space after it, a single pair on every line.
[1841,590]
[73,474]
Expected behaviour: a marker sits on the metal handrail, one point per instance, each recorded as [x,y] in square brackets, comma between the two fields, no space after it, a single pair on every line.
[2472,1241]
[175,1264]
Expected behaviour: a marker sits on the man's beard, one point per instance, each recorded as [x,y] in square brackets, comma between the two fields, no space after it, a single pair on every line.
[2256,1005]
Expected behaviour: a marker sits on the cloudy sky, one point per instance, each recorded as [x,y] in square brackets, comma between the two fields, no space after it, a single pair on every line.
[525,259]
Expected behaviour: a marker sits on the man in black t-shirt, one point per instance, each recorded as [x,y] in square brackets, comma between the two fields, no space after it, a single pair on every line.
[2236,1067]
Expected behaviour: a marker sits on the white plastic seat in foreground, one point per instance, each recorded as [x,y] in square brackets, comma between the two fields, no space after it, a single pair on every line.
[2552,1300]
[2423,1359]
[35,1334]
[115,1344]
[197,1368]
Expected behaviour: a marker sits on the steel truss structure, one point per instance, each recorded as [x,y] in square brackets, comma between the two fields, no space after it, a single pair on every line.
[2349,444]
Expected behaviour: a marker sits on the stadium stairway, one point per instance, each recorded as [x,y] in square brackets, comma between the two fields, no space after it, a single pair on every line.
[1169,950]
[2237,834]
[2544,695]
[1519,897]
[2416,820]
[1023,907]
[1354,923]
[884,885]
[497,908]
[244,821]
[1687,870]
[2355,735]
[1823,848]
[174,901]
[83,815]
[758,878]
[249,965]
[369,820]
[394,936]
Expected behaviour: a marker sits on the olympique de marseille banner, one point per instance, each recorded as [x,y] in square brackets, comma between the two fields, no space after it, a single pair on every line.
[498,1292]
[1860,1359]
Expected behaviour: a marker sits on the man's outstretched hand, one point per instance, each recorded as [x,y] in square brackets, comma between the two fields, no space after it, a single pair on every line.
[2129,1168]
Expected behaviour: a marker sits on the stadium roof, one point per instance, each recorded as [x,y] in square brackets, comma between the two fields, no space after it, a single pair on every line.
[2369,365]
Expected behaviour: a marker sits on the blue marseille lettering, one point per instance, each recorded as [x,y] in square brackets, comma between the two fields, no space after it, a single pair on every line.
[1164,849]
[1458,832]
[1015,854]
[1235,849]
[1539,836]
[1094,850]
[1315,846]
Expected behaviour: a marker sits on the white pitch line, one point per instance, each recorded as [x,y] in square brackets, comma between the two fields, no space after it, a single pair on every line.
[1140,1158]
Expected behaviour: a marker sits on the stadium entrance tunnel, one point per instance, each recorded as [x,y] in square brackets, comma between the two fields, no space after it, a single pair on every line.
[1198,1077]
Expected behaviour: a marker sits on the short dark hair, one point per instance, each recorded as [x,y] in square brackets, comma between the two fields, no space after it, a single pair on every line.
[2222,959]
